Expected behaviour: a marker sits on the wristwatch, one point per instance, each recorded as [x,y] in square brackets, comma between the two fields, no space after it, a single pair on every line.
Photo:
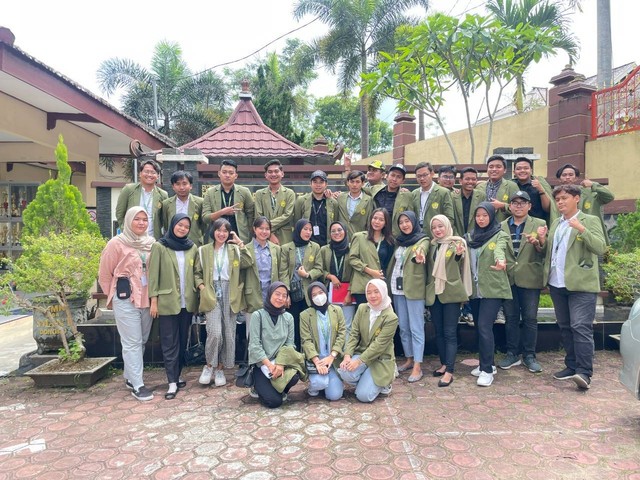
[334,354]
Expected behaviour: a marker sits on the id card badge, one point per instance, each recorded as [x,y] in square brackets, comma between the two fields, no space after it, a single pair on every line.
[143,279]
[316,230]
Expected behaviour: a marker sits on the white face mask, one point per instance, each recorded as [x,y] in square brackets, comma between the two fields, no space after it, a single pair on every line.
[320,299]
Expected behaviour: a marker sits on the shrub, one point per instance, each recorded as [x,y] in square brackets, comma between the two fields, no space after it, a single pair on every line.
[623,275]
[625,236]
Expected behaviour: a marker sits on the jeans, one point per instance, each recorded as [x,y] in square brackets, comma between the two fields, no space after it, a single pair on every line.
[575,312]
[522,336]
[485,311]
[445,321]
[411,322]
[173,340]
[330,383]
[134,326]
[366,389]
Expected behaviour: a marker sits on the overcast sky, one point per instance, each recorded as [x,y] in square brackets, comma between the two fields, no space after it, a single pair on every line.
[74,37]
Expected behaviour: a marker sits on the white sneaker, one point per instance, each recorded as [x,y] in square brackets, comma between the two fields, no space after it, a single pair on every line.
[476,371]
[313,393]
[396,372]
[205,376]
[219,380]
[485,379]
[253,393]
[386,390]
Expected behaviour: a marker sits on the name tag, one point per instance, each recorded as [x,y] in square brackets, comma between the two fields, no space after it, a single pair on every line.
[316,230]
[143,280]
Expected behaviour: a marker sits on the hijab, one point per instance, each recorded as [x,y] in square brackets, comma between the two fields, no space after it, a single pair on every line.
[439,265]
[171,241]
[297,240]
[404,240]
[268,306]
[479,236]
[340,248]
[322,308]
[385,300]
[142,242]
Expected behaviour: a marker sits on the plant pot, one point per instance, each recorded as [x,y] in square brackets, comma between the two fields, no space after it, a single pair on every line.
[46,335]
[81,374]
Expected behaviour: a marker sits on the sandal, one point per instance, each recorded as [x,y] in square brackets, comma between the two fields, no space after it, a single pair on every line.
[182,383]
[170,395]
[442,383]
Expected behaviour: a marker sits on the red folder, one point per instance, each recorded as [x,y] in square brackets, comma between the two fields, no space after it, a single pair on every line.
[337,295]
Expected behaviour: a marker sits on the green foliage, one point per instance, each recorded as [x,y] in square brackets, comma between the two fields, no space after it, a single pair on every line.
[623,275]
[75,354]
[545,301]
[625,236]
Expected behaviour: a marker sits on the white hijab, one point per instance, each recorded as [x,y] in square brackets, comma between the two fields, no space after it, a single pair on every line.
[374,312]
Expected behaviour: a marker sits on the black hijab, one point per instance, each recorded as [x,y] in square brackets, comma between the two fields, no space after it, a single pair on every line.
[340,248]
[322,308]
[297,240]
[479,236]
[416,234]
[268,306]
[170,240]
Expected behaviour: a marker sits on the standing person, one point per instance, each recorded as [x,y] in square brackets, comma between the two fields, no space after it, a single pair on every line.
[218,278]
[497,189]
[447,178]
[278,367]
[337,271]
[430,199]
[525,257]
[123,277]
[408,279]
[466,201]
[173,296]
[300,265]
[391,197]
[232,202]
[370,253]
[315,206]
[537,188]
[322,331]
[449,285]
[354,208]
[571,267]
[369,360]
[376,172]
[276,202]
[184,202]
[145,194]
[488,249]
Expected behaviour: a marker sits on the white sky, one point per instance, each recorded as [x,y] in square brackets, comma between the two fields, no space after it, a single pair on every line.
[74,37]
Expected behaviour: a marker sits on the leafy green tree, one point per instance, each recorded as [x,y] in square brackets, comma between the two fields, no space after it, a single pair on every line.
[358,30]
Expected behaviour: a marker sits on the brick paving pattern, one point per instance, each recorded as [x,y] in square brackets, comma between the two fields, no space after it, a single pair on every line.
[525,426]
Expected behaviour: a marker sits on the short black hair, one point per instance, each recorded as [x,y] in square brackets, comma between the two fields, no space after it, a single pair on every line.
[217,225]
[447,168]
[493,158]
[229,163]
[523,159]
[353,174]
[180,175]
[572,190]
[468,170]
[423,165]
[151,162]
[271,163]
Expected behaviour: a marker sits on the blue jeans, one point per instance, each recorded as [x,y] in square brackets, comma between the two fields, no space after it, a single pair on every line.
[330,383]
[366,389]
[522,336]
[411,322]
[348,311]
[445,321]
[575,312]
[485,311]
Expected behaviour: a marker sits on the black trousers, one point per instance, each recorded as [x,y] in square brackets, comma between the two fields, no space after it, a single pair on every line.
[174,330]
[267,394]
[295,310]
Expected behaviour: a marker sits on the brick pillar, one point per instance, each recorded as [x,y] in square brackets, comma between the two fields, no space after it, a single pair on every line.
[404,133]
[103,211]
[168,167]
[320,145]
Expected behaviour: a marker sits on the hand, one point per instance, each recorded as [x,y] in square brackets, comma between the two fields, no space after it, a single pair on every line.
[233,238]
[498,205]
[460,248]
[500,265]
[455,190]
[347,299]
[278,371]
[420,256]
[335,280]
[404,189]
[533,239]
[353,364]
[535,183]
[302,272]
[379,274]
[230,210]
[586,183]
[575,223]
[322,369]
[327,361]
[153,310]
[542,232]
[274,239]
[345,361]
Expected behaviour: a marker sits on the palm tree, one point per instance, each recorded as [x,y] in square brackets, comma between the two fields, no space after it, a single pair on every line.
[543,14]
[359,29]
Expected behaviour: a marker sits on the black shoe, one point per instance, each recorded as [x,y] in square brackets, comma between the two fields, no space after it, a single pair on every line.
[436,373]
[565,374]
[170,395]
[128,384]
[143,394]
[182,383]
[582,381]
[442,383]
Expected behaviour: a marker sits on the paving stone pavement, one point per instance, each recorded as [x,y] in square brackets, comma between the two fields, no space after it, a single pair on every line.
[525,426]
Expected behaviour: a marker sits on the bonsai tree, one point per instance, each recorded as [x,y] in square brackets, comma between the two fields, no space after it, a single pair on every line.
[61,254]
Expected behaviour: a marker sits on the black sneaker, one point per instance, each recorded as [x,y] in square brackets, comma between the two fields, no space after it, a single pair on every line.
[582,381]
[143,394]
[565,374]
[128,384]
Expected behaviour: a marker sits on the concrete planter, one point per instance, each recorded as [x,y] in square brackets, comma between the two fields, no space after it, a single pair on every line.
[80,377]
[46,335]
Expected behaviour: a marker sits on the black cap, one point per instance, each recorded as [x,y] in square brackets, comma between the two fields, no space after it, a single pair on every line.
[318,174]
[400,167]
[565,166]
[520,194]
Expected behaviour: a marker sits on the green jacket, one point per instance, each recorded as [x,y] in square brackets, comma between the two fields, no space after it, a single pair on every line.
[439,203]
[491,283]
[454,291]
[359,221]
[311,263]
[164,279]
[266,338]
[477,197]
[404,202]
[238,259]
[414,274]
[527,269]
[581,272]
[506,190]
[130,197]
[302,209]
[310,338]
[293,362]
[362,253]
[282,218]
[244,218]
[592,200]
[375,344]
[195,214]
[252,288]
[326,257]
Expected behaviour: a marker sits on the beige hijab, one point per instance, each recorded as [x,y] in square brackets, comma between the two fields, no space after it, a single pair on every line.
[143,242]
[439,266]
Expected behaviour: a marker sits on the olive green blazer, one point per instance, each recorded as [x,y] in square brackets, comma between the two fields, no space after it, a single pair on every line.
[326,257]
[375,344]
[282,218]
[302,209]
[477,197]
[439,203]
[592,200]
[194,212]
[581,273]
[252,289]
[404,202]
[506,190]
[362,253]
[164,279]
[130,197]
[238,260]
[310,338]
[492,283]
[414,274]
[359,221]
[244,218]
[526,270]
[311,263]
[454,291]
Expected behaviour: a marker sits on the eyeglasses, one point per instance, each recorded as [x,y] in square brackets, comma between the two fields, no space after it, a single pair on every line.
[280,295]
[519,204]
[423,175]
[447,177]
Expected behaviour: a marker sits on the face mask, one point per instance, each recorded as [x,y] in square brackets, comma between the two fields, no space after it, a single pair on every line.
[320,299]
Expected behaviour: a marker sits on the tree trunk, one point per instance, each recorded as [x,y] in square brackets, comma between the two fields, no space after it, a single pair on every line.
[519,94]
[604,44]
[364,126]
[421,125]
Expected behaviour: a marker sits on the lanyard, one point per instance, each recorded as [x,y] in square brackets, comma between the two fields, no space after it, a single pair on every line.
[338,265]
[325,327]
[299,255]
[402,257]
[225,202]
[274,200]
[143,257]
[558,239]
[218,260]
[316,211]
[423,204]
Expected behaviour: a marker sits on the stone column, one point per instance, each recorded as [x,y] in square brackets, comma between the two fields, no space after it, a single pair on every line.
[404,133]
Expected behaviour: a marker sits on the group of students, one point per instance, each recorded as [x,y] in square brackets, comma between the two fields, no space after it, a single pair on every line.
[324,305]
